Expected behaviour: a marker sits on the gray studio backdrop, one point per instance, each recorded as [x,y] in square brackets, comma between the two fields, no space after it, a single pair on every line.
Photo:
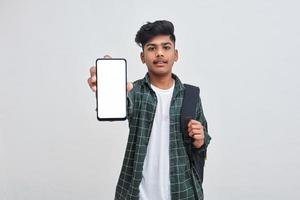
[244,55]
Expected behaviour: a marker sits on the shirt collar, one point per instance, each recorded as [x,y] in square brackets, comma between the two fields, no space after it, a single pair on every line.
[178,85]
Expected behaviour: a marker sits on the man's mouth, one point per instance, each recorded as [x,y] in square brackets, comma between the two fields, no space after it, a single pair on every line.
[160,62]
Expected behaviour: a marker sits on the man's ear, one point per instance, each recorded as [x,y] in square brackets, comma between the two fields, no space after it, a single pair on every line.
[176,55]
[142,57]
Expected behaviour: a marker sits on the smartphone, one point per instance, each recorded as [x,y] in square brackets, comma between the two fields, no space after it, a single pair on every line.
[111,91]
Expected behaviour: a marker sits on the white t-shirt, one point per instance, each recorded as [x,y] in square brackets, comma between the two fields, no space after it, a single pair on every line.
[155,182]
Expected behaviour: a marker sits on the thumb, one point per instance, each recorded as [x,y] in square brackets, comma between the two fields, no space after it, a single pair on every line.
[107,56]
[129,86]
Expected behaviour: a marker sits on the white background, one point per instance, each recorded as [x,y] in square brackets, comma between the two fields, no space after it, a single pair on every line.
[244,55]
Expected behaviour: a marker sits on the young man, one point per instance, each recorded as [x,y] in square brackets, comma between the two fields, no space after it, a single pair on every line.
[156,165]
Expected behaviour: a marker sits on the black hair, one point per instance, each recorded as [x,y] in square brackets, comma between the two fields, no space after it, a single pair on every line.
[150,30]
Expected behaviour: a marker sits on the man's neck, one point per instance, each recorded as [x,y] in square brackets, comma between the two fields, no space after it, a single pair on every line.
[162,82]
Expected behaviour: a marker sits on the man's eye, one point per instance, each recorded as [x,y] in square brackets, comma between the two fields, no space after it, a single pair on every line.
[151,49]
[167,47]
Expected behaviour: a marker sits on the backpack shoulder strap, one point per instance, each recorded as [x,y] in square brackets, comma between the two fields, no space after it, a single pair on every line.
[188,110]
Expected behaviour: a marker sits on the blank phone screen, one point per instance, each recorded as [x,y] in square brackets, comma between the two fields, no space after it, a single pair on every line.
[111,89]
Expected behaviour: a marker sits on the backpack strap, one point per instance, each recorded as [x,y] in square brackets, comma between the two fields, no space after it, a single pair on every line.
[188,112]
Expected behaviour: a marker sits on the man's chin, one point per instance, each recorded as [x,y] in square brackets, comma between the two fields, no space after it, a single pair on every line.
[161,72]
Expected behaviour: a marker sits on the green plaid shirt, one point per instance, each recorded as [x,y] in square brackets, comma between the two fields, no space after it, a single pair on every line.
[141,110]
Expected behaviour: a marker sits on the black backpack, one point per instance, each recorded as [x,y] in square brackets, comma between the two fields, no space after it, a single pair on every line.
[188,111]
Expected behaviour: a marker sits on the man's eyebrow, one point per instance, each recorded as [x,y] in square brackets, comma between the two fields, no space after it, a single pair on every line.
[150,44]
[163,44]
[166,43]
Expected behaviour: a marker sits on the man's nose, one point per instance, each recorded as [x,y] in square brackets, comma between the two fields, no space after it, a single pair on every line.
[159,52]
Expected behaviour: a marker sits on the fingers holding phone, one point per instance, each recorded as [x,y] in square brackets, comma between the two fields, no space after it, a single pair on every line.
[92,79]
[129,86]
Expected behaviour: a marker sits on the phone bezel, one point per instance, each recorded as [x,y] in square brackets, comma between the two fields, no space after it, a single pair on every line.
[112,119]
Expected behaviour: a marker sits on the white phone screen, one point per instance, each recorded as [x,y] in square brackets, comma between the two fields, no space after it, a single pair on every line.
[111,89]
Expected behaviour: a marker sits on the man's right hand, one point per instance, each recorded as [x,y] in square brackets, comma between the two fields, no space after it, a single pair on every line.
[92,79]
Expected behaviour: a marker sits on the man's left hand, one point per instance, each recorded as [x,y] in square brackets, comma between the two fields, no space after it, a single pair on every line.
[196,131]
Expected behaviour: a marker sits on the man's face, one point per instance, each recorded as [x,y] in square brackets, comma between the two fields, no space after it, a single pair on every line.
[159,54]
